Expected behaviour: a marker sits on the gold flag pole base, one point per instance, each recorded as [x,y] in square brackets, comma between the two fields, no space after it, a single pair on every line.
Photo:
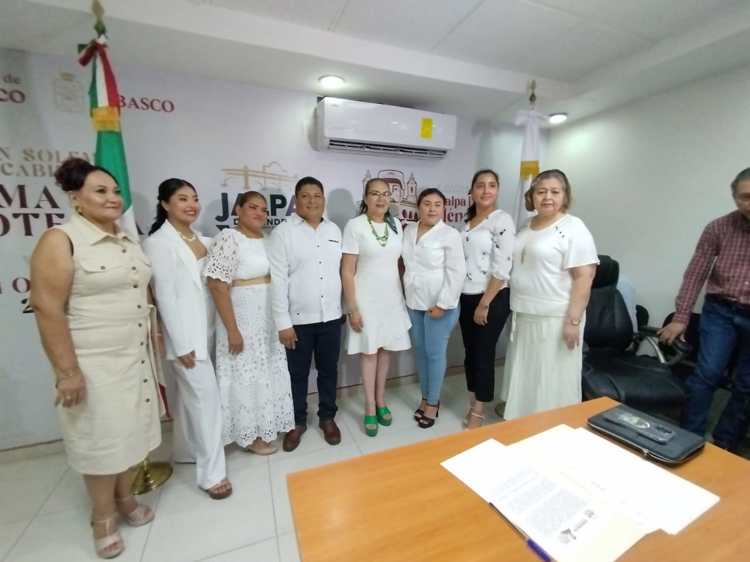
[149,476]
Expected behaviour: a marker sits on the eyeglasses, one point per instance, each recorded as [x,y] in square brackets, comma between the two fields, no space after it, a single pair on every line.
[379,194]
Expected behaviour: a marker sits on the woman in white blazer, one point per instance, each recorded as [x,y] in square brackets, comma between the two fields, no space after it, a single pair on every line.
[177,255]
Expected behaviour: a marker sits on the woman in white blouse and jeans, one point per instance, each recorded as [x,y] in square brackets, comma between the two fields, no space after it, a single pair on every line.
[434,275]
[554,263]
[488,248]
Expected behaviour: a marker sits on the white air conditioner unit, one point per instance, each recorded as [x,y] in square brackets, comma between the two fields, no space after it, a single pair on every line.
[383,130]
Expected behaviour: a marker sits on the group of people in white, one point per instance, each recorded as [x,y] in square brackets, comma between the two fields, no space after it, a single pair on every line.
[276,303]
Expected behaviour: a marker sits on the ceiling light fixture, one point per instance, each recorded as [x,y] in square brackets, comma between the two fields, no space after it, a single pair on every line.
[557,118]
[331,81]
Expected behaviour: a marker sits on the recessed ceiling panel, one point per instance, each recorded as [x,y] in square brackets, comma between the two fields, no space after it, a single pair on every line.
[416,24]
[654,19]
[319,14]
[508,33]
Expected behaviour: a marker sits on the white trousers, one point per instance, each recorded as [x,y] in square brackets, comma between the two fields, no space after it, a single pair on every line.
[198,419]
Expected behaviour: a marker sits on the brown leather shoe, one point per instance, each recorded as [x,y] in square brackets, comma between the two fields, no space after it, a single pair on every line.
[331,431]
[292,438]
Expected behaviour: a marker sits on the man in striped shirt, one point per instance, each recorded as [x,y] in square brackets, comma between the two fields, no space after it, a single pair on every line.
[722,257]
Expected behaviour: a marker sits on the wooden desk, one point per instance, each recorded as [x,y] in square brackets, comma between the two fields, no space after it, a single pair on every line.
[400,505]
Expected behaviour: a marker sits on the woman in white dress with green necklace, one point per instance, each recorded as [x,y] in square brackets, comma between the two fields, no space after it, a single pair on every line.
[378,321]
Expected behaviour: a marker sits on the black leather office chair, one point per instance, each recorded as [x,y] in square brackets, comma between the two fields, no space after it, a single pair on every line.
[611,366]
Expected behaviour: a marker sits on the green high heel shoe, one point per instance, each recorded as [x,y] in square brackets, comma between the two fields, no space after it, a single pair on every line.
[384,416]
[371,425]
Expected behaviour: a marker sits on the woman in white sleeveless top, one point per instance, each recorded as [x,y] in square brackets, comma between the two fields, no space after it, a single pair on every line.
[256,393]
[89,284]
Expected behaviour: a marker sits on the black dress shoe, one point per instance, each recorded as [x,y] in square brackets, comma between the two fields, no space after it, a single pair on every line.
[292,438]
[331,431]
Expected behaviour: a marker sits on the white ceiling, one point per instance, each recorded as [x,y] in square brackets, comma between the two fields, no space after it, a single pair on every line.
[468,57]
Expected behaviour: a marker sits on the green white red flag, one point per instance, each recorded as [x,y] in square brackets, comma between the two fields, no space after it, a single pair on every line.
[105,116]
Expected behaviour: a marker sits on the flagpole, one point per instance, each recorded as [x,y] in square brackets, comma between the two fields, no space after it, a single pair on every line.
[110,154]
[529,168]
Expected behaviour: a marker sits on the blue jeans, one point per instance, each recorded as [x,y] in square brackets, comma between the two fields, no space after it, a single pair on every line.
[724,328]
[430,339]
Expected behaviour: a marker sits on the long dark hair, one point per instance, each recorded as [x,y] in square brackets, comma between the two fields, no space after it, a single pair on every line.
[471,212]
[390,221]
[167,188]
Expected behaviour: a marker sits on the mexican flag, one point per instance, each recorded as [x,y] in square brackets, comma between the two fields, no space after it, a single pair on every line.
[105,116]
[110,150]
[531,121]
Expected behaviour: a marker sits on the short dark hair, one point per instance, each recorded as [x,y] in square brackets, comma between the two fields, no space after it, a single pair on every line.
[308,180]
[744,175]
[560,176]
[245,196]
[72,173]
[430,191]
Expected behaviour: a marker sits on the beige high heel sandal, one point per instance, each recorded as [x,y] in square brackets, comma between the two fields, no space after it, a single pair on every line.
[141,515]
[475,415]
[467,417]
[103,545]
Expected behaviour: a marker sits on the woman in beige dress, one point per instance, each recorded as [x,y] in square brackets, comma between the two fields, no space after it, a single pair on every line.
[89,292]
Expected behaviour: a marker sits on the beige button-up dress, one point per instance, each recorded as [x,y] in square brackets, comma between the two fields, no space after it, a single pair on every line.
[108,314]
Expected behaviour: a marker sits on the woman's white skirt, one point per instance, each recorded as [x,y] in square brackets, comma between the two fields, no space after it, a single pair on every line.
[543,373]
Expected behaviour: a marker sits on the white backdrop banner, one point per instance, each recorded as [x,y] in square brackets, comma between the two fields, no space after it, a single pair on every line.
[223,137]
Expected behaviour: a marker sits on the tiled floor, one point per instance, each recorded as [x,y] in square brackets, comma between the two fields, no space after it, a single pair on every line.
[44,509]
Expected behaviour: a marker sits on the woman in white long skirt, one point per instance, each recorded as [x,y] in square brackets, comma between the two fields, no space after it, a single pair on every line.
[554,262]
[251,365]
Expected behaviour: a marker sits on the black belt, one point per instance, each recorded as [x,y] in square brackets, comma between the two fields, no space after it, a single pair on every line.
[729,302]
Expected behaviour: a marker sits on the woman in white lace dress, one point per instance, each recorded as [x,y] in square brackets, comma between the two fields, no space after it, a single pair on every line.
[250,362]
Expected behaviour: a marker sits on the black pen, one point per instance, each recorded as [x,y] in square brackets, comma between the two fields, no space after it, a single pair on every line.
[531,543]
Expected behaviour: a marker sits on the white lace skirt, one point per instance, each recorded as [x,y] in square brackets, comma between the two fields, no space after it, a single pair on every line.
[255,387]
[542,371]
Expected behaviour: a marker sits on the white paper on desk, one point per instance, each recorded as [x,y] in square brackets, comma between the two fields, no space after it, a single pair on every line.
[671,501]
[559,450]
[651,495]
[567,522]
[478,467]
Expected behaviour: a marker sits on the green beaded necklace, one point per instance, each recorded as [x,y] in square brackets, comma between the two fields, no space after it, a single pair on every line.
[382,240]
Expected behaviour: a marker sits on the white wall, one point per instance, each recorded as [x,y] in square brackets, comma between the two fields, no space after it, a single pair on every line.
[500,149]
[222,136]
[647,177]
